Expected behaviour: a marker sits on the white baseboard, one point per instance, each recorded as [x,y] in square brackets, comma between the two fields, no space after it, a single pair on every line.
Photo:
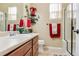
[50,47]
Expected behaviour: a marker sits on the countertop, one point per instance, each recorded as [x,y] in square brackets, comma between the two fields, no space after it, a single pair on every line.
[10,43]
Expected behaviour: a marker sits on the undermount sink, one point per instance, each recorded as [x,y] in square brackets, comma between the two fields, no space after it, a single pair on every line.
[8,41]
[5,43]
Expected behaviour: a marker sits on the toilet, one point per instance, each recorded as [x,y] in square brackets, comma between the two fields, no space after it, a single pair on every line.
[41,45]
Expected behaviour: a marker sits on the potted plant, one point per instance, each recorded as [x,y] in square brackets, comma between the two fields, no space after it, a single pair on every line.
[31,13]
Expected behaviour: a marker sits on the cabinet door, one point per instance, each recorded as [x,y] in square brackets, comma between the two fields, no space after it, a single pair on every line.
[35,49]
[35,40]
[35,46]
[29,53]
[22,50]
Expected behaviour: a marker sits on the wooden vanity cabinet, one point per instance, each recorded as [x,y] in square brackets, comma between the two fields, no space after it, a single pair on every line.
[22,50]
[29,53]
[35,46]
[29,48]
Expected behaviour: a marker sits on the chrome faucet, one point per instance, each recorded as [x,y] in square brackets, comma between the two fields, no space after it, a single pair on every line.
[12,33]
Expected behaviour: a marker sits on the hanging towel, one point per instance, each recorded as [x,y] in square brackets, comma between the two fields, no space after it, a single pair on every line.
[59,30]
[50,30]
[14,27]
[21,23]
[52,34]
[54,26]
[28,23]
[8,29]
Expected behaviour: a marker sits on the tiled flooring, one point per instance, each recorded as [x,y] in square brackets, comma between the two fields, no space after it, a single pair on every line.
[51,51]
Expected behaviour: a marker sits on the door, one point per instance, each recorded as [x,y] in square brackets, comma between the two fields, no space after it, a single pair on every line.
[73,29]
[77,31]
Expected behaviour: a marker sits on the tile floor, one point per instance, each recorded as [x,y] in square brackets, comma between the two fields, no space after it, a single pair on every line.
[52,51]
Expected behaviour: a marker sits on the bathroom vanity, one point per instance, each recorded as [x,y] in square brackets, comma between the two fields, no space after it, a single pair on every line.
[27,45]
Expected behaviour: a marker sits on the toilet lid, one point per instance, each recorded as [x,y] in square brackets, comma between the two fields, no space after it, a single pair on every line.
[41,41]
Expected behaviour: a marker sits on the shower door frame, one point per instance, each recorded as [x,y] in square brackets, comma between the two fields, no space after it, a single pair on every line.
[71,51]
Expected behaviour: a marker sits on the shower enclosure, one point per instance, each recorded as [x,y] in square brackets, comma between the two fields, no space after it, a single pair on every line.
[69,27]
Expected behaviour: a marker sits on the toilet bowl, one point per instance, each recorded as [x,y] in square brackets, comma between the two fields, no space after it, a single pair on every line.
[41,45]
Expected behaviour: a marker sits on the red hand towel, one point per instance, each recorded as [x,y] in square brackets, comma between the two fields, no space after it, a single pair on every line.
[21,23]
[50,30]
[58,30]
[14,27]
[8,29]
[52,35]
[28,23]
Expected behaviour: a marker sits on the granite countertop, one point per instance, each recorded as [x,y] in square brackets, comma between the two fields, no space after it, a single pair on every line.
[10,43]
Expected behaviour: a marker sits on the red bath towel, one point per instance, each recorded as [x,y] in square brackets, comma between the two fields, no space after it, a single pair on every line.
[8,29]
[28,23]
[14,27]
[21,23]
[52,35]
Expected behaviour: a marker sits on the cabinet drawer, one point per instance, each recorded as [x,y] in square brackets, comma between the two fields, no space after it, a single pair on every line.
[35,40]
[22,50]
[29,53]
[35,49]
[36,54]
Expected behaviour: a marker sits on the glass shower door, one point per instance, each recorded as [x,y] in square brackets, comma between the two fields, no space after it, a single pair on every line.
[70,25]
[67,26]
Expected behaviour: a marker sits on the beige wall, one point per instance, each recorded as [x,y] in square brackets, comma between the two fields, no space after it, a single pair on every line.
[42,28]
[4,8]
